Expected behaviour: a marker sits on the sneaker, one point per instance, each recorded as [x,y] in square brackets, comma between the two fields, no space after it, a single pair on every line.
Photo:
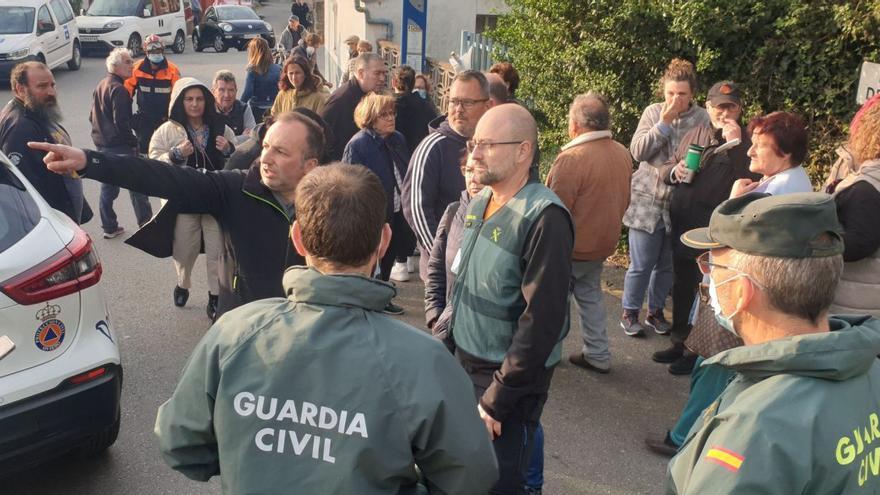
[630,324]
[683,365]
[578,359]
[665,447]
[114,234]
[410,264]
[212,307]
[180,296]
[658,322]
[399,272]
[670,355]
[392,309]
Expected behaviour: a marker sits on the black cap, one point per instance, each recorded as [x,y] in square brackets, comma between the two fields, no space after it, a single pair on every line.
[724,92]
[783,226]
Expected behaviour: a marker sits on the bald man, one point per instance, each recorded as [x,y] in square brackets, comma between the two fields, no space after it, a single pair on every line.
[518,240]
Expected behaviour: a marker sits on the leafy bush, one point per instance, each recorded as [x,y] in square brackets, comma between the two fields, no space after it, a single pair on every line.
[785,54]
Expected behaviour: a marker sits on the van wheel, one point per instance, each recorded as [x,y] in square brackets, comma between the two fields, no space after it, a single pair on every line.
[76,59]
[179,43]
[134,45]
[100,441]
[218,45]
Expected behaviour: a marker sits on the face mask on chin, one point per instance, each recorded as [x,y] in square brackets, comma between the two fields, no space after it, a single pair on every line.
[156,58]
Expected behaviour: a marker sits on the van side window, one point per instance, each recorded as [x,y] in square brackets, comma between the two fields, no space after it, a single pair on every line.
[60,12]
[43,18]
[161,7]
[148,9]
[173,5]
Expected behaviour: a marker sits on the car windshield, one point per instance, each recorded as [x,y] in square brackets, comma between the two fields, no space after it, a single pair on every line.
[113,8]
[232,13]
[16,20]
[19,213]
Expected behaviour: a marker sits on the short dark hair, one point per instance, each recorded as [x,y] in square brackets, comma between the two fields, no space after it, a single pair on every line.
[498,91]
[474,75]
[509,73]
[19,74]
[314,133]
[340,210]
[788,132]
[405,79]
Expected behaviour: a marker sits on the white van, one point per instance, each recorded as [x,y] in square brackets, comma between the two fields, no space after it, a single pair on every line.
[43,30]
[113,23]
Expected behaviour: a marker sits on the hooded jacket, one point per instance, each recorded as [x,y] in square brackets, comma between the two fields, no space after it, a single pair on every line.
[414,115]
[801,416]
[433,180]
[269,401]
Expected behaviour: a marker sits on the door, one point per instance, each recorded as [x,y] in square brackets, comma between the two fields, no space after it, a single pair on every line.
[170,17]
[48,36]
[64,16]
[149,21]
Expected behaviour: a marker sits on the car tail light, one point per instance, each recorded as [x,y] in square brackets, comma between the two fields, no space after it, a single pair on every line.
[70,270]
[88,376]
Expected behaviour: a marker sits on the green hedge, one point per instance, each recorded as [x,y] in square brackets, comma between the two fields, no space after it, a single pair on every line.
[786,55]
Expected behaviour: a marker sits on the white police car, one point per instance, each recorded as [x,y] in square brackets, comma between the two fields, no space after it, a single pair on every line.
[42,30]
[60,371]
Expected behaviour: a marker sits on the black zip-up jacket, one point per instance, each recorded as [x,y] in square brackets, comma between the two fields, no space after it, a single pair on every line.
[339,115]
[111,114]
[413,117]
[255,226]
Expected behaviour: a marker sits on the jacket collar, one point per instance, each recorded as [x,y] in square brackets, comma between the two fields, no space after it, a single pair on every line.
[253,186]
[308,285]
[586,138]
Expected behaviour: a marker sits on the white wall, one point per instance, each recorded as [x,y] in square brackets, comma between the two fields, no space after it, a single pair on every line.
[448,18]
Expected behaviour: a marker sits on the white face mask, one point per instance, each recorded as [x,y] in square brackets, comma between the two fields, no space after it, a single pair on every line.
[724,321]
[421,92]
[310,50]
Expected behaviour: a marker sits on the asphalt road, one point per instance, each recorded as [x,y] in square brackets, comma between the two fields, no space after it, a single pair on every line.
[594,424]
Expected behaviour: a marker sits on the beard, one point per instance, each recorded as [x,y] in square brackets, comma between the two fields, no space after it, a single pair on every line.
[47,110]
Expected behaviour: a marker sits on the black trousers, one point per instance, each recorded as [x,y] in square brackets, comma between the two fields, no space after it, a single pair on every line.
[402,244]
[687,278]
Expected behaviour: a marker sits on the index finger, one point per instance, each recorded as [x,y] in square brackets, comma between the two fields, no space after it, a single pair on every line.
[43,146]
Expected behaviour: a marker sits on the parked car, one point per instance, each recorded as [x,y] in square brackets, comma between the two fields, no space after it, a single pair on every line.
[60,370]
[114,23]
[227,26]
[43,30]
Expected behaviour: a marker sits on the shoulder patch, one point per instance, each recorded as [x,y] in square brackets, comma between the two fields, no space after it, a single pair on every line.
[15,158]
[725,458]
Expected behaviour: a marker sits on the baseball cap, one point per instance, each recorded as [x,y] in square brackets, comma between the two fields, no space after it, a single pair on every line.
[724,92]
[293,18]
[153,42]
[783,226]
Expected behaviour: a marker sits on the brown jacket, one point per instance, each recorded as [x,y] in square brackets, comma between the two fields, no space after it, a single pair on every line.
[592,177]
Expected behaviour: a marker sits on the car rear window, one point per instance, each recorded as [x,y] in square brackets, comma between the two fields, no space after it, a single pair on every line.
[19,213]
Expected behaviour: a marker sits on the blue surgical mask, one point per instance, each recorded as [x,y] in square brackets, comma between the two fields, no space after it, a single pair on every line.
[156,58]
[724,321]
[421,92]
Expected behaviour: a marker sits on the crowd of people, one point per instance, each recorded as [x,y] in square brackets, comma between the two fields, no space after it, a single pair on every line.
[308,203]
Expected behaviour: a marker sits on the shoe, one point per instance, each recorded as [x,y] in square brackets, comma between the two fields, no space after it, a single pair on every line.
[658,322]
[630,324]
[683,365]
[114,234]
[180,296]
[669,355]
[578,359]
[410,264]
[399,272]
[392,309]
[664,447]
[212,307]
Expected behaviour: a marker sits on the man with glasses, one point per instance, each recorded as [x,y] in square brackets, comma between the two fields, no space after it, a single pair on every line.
[801,414]
[112,133]
[370,73]
[517,241]
[434,179]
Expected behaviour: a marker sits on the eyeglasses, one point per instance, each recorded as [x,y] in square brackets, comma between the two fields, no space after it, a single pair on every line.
[387,115]
[706,266]
[467,104]
[473,145]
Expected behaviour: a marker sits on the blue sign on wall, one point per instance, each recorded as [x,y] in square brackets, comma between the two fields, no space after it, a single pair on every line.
[415,22]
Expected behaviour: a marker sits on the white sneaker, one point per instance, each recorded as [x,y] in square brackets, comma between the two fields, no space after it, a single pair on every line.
[399,272]
[410,264]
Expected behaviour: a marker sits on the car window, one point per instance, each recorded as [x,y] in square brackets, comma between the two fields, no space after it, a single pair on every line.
[17,20]
[210,14]
[235,12]
[173,6]
[116,8]
[60,12]
[43,17]
[19,213]
[161,7]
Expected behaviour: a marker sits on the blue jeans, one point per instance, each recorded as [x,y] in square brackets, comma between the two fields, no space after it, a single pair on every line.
[650,269]
[139,202]
[535,473]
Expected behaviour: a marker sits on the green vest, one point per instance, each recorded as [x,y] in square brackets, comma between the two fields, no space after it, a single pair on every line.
[488,295]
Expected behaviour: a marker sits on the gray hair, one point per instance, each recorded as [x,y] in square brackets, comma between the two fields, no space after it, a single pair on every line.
[225,76]
[474,75]
[590,111]
[115,58]
[799,287]
[364,59]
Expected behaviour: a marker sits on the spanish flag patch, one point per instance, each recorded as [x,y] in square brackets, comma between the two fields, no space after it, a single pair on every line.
[725,458]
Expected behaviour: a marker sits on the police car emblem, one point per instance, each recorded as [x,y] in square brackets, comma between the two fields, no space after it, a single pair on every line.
[15,158]
[50,334]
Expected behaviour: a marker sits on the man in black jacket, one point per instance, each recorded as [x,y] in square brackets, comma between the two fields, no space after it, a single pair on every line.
[112,133]
[413,113]
[33,115]
[254,207]
[300,9]
[338,112]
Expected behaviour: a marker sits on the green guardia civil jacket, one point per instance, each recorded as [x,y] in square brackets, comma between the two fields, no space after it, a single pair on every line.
[802,416]
[320,393]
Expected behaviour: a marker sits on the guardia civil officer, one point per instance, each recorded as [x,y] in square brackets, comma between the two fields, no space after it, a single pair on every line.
[802,414]
[320,392]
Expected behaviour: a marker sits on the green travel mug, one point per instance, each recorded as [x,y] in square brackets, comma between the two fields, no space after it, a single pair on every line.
[692,160]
